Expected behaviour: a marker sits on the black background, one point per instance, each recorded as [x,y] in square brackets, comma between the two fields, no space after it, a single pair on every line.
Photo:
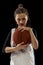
[7,22]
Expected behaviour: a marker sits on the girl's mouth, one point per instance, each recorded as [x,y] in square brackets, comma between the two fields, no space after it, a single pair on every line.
[21,24]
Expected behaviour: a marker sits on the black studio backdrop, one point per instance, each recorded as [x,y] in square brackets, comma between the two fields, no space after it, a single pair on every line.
[7,22]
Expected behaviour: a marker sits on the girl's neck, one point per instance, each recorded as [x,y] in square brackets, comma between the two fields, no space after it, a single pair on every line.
[21,26]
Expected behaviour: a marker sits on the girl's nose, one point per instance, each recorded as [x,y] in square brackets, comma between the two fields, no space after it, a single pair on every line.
[21,21]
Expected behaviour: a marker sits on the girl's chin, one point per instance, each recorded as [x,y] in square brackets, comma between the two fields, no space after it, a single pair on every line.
[22,25]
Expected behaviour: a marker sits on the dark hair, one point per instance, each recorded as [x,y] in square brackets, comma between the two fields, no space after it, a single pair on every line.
[21,9]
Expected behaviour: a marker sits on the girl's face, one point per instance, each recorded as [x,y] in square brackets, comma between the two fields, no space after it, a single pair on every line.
[21,19]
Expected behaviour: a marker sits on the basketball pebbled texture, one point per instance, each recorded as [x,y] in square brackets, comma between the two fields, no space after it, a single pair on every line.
[19,37]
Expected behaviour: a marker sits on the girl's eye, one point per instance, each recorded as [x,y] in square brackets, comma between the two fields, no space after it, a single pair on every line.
[23,18]
[18,19]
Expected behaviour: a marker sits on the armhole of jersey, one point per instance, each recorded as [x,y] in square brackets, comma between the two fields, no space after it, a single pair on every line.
[12,31]
[35,32]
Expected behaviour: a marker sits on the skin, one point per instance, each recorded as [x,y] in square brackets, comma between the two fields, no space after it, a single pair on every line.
[21,20]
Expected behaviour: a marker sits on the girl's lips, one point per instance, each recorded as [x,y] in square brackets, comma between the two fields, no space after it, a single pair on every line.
[21,24]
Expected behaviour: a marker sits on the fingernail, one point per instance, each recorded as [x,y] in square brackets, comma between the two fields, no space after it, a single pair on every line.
[22,42]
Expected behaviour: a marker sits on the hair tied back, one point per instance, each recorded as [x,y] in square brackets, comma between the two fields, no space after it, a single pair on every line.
[20,6]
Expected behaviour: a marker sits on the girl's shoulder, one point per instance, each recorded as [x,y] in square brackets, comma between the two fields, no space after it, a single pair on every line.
[13,28]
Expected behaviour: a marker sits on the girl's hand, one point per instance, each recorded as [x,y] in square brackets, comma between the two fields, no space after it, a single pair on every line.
[21,46]
[24,28]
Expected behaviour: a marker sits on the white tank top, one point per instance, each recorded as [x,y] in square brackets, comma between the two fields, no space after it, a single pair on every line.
[25,57]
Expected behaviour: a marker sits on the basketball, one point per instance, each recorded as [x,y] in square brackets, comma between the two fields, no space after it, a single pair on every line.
[19,37]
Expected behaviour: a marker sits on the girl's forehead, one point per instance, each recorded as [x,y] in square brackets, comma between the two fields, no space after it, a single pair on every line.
[21,15]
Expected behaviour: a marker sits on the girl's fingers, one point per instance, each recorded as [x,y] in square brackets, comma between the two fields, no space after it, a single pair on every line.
[22,30]
[21,43]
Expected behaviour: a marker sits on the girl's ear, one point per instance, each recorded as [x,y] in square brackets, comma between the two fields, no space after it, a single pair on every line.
[16,21]
[27,18]
[15,18]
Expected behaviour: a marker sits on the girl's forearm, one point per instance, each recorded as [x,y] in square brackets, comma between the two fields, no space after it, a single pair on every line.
[10,49]
[34,40]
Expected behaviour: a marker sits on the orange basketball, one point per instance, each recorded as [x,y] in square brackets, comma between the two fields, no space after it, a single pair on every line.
[19,37]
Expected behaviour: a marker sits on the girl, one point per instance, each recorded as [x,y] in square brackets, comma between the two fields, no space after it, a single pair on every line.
[18,57]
